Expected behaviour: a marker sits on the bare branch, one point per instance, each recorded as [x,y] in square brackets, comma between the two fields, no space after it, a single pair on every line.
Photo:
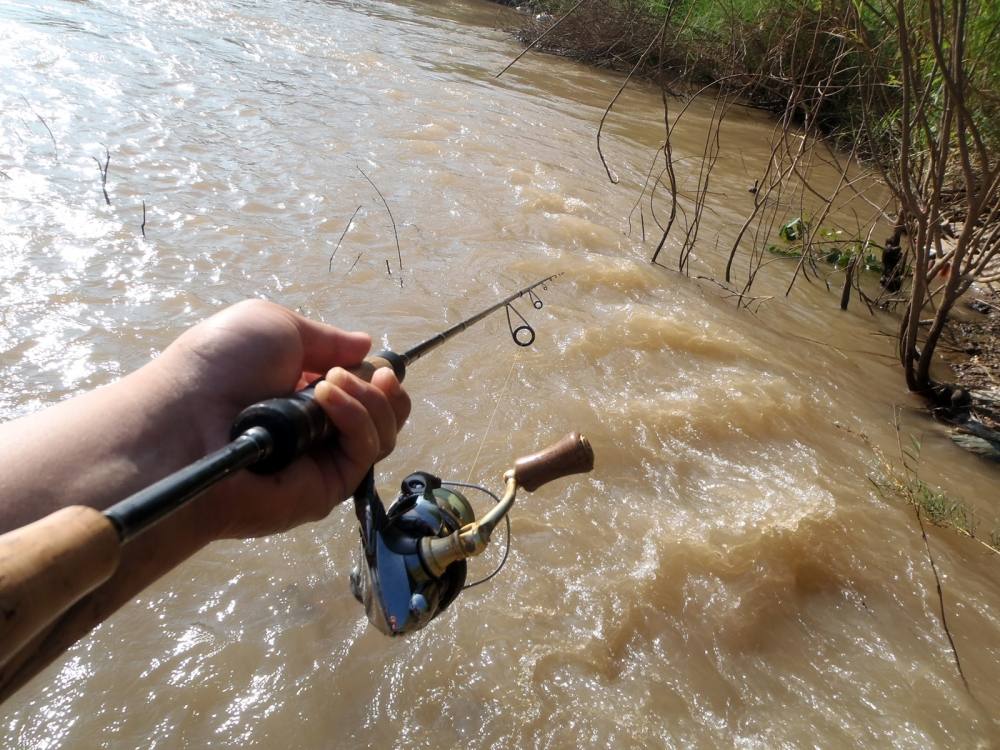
[540,37]
[342,235]
[104,173]
[388,210]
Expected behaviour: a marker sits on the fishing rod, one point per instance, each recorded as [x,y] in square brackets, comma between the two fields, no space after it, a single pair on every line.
[411,563]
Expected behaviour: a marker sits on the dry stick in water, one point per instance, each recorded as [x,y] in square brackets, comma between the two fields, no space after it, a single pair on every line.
[104,173]
[541,36]
[940,593]
[710,157]
[642,193]
[353,264]
[142,227]
[386,204]
[667,150]
[55,146]
[387,269]
[342,235]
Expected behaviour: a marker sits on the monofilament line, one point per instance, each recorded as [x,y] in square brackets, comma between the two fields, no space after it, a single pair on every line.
[489,424]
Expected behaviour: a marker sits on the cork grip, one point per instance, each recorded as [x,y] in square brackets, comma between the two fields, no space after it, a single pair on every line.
[47,566]
[571,455]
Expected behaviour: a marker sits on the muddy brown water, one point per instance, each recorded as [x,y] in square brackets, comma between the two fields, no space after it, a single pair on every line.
[727,576]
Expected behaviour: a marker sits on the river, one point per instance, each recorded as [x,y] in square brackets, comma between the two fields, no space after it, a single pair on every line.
[726,577]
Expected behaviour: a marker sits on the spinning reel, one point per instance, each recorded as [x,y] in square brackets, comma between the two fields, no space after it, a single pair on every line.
[411,562]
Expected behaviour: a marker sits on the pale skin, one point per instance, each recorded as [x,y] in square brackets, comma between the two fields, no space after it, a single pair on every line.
[102,446]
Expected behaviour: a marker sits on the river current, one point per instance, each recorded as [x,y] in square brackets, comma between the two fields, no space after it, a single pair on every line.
[728,576]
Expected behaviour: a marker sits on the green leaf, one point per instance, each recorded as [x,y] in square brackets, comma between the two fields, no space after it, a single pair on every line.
[793,230]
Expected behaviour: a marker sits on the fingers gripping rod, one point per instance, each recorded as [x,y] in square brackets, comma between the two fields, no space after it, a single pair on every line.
[269,435]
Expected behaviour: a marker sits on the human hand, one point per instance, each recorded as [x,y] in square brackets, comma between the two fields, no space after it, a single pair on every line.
[257,350]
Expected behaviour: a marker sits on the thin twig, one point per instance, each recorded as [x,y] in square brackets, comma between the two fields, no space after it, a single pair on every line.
[387,269]
[353,264]
[607,111]
[540,38]
[940,593]
[342,235]
[142,227]
[104,173]
[55,146]
[386,204]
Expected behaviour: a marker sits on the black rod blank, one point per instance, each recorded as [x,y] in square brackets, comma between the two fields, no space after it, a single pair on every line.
[141,510]
[412,355]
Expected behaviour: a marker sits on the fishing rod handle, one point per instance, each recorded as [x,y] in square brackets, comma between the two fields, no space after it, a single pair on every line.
[570,455]
[45,568]
[296,423]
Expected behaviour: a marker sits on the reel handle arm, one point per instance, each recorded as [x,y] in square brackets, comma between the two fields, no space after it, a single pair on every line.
[572,454]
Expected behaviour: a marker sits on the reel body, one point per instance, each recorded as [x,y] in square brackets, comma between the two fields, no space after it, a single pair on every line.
[399,593]
[411,561]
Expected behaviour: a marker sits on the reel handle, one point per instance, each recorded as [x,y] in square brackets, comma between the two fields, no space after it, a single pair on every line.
[296,423]
[570,455]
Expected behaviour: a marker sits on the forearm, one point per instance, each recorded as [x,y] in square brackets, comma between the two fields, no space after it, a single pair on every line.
[97,448]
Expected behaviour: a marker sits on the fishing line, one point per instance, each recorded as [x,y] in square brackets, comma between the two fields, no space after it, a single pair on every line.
[506,546]
[537,303]
[489,424]
[467,483]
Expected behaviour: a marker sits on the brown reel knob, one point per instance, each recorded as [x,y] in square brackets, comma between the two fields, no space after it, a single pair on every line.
[571,455]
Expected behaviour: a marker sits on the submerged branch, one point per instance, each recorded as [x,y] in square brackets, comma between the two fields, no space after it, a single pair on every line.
[55,146]
[342,235]
[930,558]
[104,173]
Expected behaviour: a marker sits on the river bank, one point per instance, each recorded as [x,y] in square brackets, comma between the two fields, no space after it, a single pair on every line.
[632,37]
[975,360]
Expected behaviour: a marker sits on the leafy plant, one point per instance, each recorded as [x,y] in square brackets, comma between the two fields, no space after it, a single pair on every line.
[902,481]
[793,230]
